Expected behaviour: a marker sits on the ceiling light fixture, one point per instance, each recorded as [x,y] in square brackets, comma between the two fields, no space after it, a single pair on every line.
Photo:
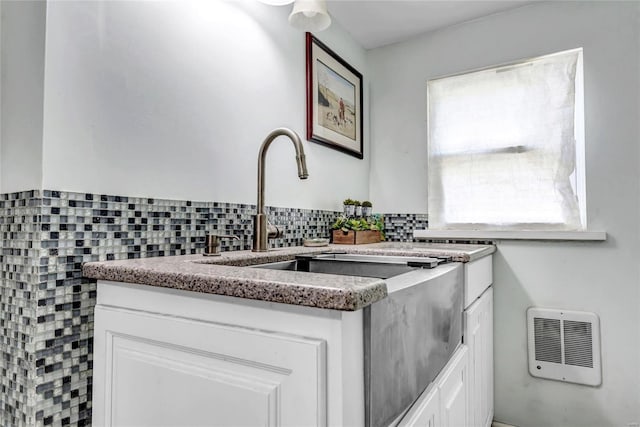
[276,2]
[310,15]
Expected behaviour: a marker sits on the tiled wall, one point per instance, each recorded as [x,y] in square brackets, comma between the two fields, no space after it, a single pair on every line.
[399,227]
[20,276]
[46,306]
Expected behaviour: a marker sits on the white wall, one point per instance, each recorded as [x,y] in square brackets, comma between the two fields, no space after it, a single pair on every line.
[173,99]
[599,277]
[1,72]
[22,77]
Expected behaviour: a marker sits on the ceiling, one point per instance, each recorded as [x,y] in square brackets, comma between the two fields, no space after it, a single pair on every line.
[376,23]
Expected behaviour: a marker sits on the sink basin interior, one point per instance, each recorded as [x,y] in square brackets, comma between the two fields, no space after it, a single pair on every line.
[379,266]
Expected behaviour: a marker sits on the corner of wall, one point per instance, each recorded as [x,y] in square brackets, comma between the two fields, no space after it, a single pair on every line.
[22,35]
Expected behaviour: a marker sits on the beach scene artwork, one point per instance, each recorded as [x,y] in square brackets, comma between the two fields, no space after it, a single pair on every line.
[336,102]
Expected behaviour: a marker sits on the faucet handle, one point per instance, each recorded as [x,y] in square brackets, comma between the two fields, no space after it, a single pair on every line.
[212,243]
[273,231]
[223,236]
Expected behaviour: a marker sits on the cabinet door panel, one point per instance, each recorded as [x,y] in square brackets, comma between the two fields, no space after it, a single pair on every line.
[157,370]
[453,391]
[478,336]
[178,387]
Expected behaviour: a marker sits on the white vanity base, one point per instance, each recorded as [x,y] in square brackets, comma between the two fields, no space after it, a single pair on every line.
[167,357]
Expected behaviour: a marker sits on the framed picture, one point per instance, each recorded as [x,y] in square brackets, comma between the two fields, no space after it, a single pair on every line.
[334,100]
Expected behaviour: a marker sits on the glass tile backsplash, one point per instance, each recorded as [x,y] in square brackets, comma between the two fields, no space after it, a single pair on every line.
[47,306]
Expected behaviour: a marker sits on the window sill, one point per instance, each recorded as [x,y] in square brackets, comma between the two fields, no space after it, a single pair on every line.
[511,235]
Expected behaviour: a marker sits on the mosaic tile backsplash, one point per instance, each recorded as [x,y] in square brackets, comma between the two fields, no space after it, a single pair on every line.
[46,306]
[18,305]
[399,227]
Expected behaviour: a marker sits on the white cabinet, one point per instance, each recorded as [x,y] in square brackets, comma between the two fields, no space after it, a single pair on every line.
[478,336]
[166,357]
[444,403]
[159,370]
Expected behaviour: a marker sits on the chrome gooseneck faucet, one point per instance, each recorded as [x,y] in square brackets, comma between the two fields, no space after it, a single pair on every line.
[262,229]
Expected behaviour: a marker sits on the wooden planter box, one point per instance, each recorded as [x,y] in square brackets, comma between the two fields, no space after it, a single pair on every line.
[355,237]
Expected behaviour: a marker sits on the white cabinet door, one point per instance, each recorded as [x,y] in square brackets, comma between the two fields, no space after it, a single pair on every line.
[159,370]
[452,385]
[426,411]
[478,336]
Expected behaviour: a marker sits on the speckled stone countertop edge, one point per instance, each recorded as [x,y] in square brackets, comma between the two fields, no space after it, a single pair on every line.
[265,288]
[227,274]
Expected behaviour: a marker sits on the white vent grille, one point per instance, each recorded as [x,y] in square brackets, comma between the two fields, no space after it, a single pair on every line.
[564,345]
[547,336]
[578,344]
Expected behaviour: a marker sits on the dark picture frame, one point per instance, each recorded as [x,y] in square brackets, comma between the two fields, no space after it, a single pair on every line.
[334,100]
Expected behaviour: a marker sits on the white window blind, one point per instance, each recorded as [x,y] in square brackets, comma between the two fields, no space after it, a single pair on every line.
[506,149]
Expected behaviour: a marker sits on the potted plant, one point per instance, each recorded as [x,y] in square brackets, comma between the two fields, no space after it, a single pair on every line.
[358,208]
[367,208]
[349,208]
[352,231]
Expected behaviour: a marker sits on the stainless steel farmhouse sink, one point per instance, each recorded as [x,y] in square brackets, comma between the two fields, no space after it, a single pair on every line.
[408,336]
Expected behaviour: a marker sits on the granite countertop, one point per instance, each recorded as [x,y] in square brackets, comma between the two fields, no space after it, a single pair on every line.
[228,275]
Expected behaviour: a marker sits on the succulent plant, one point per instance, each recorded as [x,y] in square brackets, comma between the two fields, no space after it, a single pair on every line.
[375,223]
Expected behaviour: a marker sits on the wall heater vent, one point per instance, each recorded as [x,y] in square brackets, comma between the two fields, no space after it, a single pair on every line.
[564,345]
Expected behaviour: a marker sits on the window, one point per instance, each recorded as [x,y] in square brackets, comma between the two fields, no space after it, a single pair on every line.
[506,147]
